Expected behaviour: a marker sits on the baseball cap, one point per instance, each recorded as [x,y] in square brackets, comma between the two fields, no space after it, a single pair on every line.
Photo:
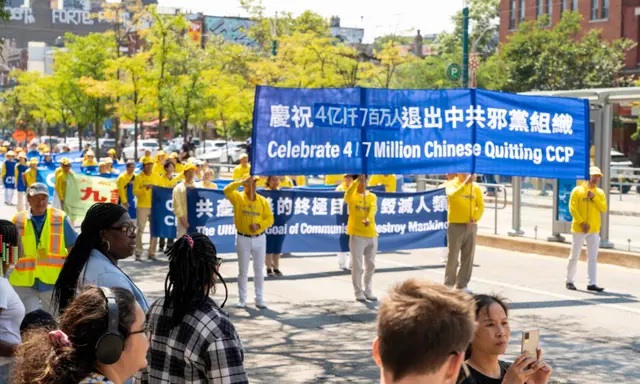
[111,151]
[33,161]
[147,160]
[65,161]
[38,189]
[189,167]
[595,171]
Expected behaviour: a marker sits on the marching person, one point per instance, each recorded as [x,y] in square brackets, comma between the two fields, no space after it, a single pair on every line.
[344,258]
[389,182]
[272,260]
[47,236]
[466,206]
[89,159]
[252,215]
[123,182]
[61,182]
[192,339]
[166,179]
[363,240]
[9,177]
[113,156]
[179,198]
[21,168]
[31,174]
[142,185]
[586,204]
[207,176]
[443,185]
[242,170]
[285,182]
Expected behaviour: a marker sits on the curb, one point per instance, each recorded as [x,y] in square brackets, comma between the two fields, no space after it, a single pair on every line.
[544,248]
[488,202]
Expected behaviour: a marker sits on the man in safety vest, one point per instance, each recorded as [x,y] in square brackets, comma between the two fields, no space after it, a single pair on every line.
[47,236]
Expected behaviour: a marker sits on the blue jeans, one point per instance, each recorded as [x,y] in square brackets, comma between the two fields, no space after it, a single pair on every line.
[5,373]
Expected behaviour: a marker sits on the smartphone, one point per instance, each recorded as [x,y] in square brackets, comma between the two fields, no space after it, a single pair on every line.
[531,342]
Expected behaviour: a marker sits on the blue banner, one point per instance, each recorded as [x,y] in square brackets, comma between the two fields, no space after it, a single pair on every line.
[565,187]
[382,131]
[311,221]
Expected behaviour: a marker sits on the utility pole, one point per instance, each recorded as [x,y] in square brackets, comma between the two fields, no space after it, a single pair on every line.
[465,45]
[274,35]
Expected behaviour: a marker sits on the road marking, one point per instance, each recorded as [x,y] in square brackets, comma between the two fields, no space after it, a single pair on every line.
[528,290]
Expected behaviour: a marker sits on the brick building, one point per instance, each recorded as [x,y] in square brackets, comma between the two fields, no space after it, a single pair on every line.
[616,18]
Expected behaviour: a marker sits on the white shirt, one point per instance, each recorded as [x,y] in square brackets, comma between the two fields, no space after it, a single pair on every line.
[11,316]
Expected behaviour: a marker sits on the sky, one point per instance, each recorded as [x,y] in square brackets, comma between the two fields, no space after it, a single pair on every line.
[377,17]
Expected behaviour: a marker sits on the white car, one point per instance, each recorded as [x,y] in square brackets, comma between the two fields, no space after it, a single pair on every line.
[208,150]
[143,145]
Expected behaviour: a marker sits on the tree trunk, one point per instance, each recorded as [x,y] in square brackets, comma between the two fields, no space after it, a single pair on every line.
[135,138]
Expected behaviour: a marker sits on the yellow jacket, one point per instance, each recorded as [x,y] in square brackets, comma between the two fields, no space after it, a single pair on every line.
[342,187]
[61,184]
[389,182]
[158,168]
[87,163]
[241,172]
[247,212]
[30,177]
[333,179]
[209,185]
[164,181]
[123,181]
[585,210]
[179,168]
[286,183]
[361,207]
[466,202]
[301,180]
[140,190]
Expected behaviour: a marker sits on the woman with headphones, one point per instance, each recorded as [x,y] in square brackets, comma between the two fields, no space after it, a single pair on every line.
[102,339]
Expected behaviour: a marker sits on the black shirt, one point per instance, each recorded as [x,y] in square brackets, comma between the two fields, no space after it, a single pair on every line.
[478,378]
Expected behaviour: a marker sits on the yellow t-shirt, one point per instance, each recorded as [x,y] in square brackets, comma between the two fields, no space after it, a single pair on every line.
[140,190]
[389,182]
[333,179]
[465,202]
[61,184]
[209,185]
[123,181]
[361,207]
[30,177]
[286,182]
[247,212]
[241,172]
[585,210]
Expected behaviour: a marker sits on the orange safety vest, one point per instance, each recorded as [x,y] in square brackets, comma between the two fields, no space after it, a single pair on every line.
[42,260]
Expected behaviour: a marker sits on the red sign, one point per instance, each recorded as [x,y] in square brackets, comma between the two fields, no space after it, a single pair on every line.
[195,31]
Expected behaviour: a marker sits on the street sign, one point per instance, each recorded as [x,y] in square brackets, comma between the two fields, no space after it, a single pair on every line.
[454,71]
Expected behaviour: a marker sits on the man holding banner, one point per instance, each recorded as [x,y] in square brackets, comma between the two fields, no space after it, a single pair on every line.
[252,216]
[179,198]
[142,190]
[363,241]
[466,206]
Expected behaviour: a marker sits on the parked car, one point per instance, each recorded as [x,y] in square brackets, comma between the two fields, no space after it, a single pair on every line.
[143,145]
[230,150]
[209,150]
[106,144]
[621,174]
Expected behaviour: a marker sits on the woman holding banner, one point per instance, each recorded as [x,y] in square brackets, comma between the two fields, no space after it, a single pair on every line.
[179,198]
[272,260]
[363,241]
[252,215]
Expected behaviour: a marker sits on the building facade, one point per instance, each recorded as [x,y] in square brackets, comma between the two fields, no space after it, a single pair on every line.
[615,18]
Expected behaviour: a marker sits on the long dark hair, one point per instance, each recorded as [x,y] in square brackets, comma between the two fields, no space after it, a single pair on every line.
[39,361]
[99,217]
[193,264]
[8,245]
[483,302]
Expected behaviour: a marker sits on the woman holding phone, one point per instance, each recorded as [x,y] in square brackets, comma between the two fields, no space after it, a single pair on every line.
[490,341]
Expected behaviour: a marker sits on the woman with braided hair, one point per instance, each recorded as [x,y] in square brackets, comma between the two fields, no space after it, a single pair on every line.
[192,338]
[107,235]
[11,307]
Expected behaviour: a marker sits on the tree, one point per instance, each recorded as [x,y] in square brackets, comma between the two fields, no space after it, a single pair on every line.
[391,58]
[163,37]
[186,82]
[537,57]
[87,64]
[134,89]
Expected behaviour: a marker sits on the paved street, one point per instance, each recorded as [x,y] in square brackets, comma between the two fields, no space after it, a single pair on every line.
[315,332]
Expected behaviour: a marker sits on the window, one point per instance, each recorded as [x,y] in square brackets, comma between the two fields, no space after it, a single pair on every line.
[512,14]
[522,10]
[574,6]
[539,10]
[605,9]
[594,9]
[563,5]
[549,9]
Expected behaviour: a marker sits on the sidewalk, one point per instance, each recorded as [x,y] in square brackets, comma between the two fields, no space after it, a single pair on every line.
[629,205]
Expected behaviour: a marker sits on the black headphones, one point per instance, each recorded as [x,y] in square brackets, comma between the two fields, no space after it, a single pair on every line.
[110,345]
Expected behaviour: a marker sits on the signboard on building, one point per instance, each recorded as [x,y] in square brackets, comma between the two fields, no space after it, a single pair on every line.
[195,31]
[232,29]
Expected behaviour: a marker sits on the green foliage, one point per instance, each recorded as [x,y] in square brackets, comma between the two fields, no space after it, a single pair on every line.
[540,58]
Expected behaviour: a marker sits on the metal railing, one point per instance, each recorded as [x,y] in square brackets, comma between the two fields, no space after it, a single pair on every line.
[499,190]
